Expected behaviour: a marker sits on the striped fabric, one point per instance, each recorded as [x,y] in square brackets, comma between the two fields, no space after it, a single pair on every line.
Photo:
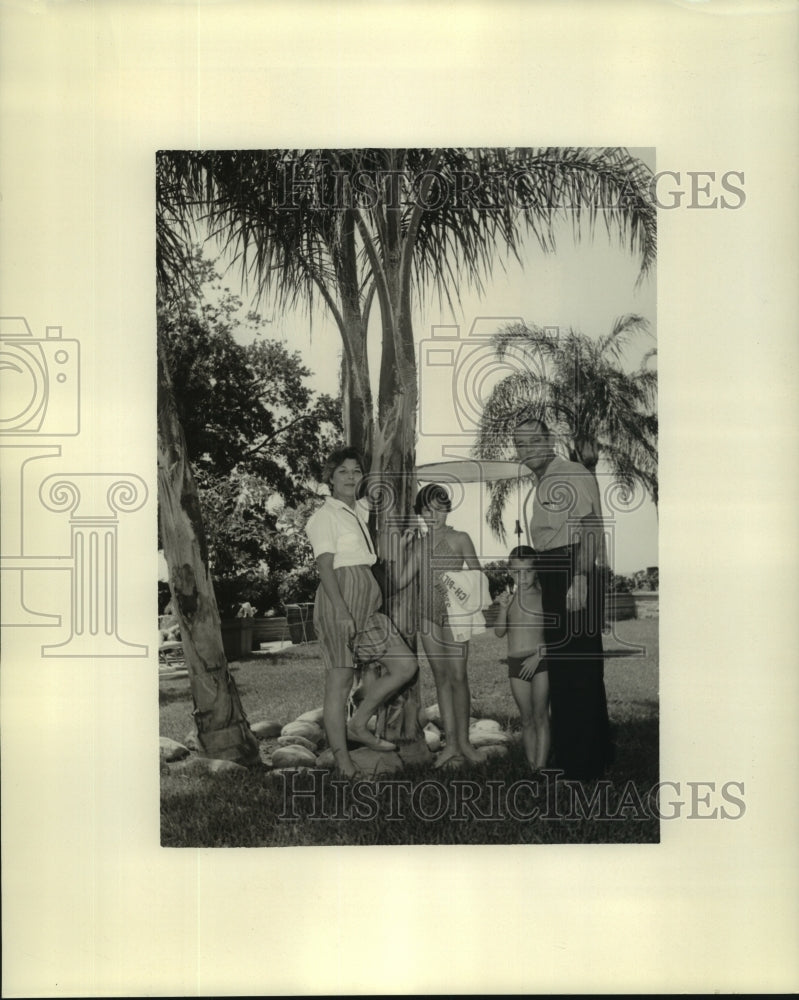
[376,636]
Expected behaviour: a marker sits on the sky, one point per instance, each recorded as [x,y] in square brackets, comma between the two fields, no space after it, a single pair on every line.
[584,285]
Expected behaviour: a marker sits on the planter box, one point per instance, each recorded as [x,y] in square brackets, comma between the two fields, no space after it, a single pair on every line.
[619,607]
[237,637]
[300,621]
[491,614]
[268,630]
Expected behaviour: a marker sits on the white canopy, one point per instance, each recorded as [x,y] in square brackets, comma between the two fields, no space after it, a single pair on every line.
[470,470]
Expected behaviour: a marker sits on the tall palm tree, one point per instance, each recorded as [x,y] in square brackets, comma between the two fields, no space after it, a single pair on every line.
[578,386]
[351,226]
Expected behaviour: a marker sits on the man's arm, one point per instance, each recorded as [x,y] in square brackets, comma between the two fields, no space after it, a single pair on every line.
[590,537]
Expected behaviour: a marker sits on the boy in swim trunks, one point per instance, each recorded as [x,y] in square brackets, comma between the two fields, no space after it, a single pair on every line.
[521,618]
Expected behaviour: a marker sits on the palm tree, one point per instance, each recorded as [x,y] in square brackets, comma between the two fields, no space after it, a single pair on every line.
[350,226]
[577,384]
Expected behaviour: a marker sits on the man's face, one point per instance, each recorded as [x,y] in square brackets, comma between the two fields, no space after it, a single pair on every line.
[533,443]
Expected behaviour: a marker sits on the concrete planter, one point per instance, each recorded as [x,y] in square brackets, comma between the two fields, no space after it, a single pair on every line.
[237,636]
[268,630]
[491,614]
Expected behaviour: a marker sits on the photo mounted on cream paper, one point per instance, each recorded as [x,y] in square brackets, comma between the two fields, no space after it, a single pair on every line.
[407,451]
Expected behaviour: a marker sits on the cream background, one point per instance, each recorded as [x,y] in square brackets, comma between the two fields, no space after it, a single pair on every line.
[91,904]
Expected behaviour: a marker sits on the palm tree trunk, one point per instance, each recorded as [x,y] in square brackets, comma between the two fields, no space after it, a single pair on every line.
[356,394]
[395,459]
[222,727]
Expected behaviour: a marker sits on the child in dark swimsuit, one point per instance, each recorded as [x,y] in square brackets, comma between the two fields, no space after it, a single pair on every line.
[521,618]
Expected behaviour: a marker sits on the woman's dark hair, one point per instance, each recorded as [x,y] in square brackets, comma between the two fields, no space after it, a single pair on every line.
[432,493]
[336,458]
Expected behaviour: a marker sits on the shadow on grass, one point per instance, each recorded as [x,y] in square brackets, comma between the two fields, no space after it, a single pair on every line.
[498,802]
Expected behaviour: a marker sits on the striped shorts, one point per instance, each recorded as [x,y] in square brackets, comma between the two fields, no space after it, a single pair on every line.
[376,636]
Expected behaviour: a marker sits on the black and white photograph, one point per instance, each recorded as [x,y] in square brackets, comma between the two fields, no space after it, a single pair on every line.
[398,464]
[408,491]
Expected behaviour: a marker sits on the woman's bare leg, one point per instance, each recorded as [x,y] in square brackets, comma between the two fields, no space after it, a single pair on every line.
[400,666]
[338,683]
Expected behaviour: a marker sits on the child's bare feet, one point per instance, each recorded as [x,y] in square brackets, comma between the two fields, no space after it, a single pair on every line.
[472,755]
[345,765]
[447,755]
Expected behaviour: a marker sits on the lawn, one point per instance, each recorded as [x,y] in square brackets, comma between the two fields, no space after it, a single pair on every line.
[423,806]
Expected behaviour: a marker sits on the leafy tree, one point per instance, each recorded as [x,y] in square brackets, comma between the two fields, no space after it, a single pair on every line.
[499,577]
[257,547]
[256,437]
[579,387]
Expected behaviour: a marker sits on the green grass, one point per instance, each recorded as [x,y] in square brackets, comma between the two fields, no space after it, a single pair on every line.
[245,809]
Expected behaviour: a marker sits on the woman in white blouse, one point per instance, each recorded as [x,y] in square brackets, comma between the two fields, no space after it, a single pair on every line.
[346,611]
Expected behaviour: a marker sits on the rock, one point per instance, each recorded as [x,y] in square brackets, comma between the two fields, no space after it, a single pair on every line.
[316,716]
[293,756]
[308,730]
[216,766]
[326,759]
[494,750]
[487,725]
[172,750]
[417,752]
[191,740]
[432,737]
[286,770]
[375,763]
[213,765]
[299,741]
[430,714]
[265,730]
[481,738]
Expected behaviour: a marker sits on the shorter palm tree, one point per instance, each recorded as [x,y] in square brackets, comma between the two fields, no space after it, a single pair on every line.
[577,385]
